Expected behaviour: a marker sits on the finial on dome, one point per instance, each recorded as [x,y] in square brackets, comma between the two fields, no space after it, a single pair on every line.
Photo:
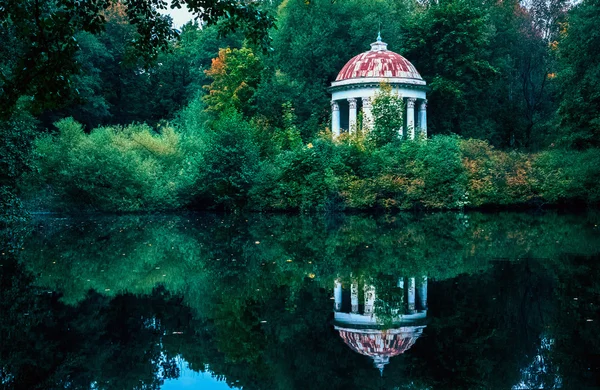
[379,33]
[380,362]
[378,45]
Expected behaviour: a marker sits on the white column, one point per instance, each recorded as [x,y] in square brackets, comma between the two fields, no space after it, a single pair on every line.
[410,295]
[369,299]
[410,118]
[367,114]
[337,295]
[335,119]
[354,296]
[423,118]
[352,117]
[422,293]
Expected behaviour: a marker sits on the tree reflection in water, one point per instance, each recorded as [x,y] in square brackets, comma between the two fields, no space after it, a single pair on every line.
[112,303]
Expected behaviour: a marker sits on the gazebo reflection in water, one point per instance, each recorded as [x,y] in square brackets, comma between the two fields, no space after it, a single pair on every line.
[383,325]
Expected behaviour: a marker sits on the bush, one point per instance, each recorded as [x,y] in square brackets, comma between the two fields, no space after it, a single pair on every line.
[115,169]
[410,174]
[496,177]
[562,176]
[387,116]
[442,172]
[304,178]
[230,161]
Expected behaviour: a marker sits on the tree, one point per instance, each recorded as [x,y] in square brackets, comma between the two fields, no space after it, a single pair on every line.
[230,161]
[17,134]
[316,38]
[387,116]
[235,74]
[113,87]
[179,75]
[448,42]
[100,92]
[579,77]
[521,103]
[39,61]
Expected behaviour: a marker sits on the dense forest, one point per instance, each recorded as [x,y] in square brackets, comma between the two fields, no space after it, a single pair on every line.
[105,107]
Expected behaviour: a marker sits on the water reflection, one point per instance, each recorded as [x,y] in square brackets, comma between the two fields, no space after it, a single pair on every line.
[381,328]
[118,302]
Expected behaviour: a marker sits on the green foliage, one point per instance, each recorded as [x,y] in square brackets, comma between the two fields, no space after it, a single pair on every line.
[180,73]
[291,136]
[411,174]
[230,161]
[273,140]
[520,106]
[114,88]
[43,45]
[448,42]
[16,159]
[579,76]
[254,139]
[17,134]
[235,75]
[115,169]
[274,93]
[192,120]
[304,178]
[387,116]
[567,176]
[496,177]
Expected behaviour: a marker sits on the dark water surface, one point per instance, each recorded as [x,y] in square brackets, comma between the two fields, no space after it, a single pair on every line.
[208,301]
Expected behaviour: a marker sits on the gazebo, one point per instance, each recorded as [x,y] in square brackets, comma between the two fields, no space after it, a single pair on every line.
[360,80]
[364,332]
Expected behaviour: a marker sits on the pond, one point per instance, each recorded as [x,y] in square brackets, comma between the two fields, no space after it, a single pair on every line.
[214,301]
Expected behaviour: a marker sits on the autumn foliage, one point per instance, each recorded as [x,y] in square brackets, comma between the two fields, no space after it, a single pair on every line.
[235,74]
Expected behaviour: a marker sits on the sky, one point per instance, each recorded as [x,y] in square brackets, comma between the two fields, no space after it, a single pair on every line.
[180,16]
[189,379]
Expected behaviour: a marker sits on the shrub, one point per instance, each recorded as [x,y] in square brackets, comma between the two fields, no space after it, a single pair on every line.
[114,169]
[568,176]
[305,178]
[496,177]
[387,116]
[230,161]
[411,174]
[438,163]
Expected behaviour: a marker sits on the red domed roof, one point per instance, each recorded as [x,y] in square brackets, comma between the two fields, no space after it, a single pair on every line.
[378,62]
[379,343]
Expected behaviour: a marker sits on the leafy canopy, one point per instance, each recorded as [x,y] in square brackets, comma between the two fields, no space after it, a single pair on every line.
[387,116]
[41,36]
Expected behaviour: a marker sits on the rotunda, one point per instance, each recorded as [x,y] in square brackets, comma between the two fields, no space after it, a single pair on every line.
[380,344]
[368,334]
[359,81]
